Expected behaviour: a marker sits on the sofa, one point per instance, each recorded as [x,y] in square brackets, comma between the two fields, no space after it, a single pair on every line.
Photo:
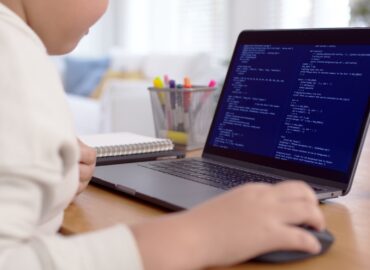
[119,99]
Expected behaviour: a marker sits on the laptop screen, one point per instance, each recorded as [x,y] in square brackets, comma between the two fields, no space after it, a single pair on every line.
[299,107]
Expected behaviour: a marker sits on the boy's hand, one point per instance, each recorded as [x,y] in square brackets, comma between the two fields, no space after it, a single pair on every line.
[256,219]
[86,166]
[248,221]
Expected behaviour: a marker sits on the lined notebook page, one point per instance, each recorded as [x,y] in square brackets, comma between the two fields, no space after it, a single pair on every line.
[125,143]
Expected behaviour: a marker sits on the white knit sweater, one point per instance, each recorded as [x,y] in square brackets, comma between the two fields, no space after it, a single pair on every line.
[39,166]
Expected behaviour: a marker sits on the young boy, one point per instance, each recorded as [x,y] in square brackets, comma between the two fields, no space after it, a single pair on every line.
[39,167]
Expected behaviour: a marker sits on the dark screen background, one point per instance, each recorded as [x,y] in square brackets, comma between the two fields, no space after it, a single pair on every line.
[299,103]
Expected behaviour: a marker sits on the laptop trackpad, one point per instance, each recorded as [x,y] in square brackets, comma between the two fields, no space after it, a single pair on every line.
[163,189]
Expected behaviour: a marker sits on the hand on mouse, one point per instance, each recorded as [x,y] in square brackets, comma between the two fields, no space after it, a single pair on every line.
[237,226]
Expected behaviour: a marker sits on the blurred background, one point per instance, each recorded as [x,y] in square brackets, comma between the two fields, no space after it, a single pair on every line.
[107,75]
[178,26]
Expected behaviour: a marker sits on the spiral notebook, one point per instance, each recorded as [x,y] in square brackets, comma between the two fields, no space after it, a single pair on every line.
[122,147]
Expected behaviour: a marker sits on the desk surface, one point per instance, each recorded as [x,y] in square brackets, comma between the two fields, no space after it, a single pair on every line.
[348,218]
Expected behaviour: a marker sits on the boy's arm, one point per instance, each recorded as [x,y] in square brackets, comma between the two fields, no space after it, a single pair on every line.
[38,168]
[23,247]
[237,226]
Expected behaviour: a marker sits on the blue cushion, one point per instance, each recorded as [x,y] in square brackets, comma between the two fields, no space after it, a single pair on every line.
[82,75]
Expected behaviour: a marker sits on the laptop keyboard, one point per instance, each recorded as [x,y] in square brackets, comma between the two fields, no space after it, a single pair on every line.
[209,173]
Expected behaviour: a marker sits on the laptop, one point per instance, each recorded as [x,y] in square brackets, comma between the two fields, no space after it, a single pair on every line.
[294,105]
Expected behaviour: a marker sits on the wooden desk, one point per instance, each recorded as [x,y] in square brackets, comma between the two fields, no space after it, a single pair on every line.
[348,218]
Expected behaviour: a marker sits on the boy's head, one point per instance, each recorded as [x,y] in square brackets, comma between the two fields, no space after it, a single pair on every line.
[59,23]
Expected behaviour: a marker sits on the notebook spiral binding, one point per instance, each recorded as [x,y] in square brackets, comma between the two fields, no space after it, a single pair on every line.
[137,148]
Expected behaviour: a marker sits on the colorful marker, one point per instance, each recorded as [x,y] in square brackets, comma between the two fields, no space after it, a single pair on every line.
[205,96]
[158,84]
[174,106]
[187,94]
[212,84]
[172,83]
[187,82]
[187,101]
[166,80]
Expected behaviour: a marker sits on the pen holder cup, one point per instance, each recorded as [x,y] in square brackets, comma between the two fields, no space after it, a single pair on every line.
[183,115]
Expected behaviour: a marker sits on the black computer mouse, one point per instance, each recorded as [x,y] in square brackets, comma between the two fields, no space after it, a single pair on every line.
[325,238]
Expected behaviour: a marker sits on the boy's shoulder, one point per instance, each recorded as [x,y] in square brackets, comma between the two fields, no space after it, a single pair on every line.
[15,33]
[22,55]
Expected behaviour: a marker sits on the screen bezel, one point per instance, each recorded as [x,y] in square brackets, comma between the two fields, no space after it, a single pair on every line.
[343,36]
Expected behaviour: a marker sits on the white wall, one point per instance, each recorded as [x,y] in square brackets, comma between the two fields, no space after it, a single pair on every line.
[101,35]
[126,22]
[251,14]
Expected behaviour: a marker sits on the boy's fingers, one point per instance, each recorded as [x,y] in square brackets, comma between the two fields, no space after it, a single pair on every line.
[296,190]
[85,172]
[88,154]
[296,238]
[303,213]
